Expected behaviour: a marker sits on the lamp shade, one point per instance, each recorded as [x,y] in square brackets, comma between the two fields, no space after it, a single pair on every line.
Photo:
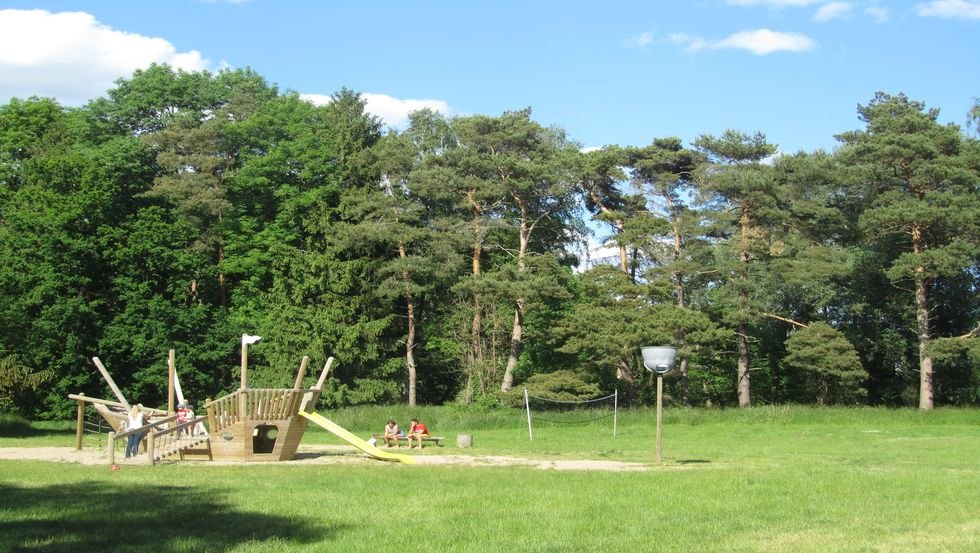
[658,358]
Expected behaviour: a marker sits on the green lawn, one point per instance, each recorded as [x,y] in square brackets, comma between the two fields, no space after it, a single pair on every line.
[765,479]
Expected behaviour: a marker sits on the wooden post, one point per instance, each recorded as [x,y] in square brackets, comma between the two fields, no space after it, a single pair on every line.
[112,448]
[80,424]
[111,383]
[244,365]
[302,372]
[150,446]
[323,374]
[212,419]
[295,400]
[660,392]
[308,398]
[171,374]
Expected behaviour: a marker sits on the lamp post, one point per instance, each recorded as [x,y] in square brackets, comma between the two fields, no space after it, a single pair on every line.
[659,359]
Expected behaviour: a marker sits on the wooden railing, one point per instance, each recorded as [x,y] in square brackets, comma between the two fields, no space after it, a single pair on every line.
[172,440]
[265,404]
[163,437]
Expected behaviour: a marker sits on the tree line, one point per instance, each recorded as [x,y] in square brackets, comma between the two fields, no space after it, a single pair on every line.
[445,262]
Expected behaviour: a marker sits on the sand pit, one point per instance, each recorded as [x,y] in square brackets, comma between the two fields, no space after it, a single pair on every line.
[326,455]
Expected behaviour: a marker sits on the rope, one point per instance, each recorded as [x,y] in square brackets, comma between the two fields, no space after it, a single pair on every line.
[583,421]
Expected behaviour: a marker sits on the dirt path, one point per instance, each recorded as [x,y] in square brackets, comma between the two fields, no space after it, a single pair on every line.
[339,455]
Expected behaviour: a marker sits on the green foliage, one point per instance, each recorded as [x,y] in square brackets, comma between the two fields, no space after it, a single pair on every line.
[834,370]
[185,208]
[19,384]
[958,369]
[562,385]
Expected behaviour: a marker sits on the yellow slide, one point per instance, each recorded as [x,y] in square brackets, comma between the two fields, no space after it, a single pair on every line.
[355,441]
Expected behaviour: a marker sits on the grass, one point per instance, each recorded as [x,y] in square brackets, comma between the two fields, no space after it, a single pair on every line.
[764,479]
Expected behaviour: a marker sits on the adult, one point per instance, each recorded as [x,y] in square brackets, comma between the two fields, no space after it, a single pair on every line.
[134,422]
[392,433]
[417,431]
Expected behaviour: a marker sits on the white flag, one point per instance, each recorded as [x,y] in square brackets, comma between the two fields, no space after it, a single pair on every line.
[249,339]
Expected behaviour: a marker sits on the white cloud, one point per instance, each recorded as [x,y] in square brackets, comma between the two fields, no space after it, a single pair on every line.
[831,11]
[958,9]
[690,42]
[638,41]
[764,41]
[74,58]
[877,13]
[394,111]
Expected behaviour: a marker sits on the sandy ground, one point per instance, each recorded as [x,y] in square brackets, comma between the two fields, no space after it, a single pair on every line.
[335,455]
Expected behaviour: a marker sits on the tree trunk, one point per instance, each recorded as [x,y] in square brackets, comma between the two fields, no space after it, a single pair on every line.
[476,327]
[624,374]
[222,284]
[516,344]
[744,390]
[618,223]
[410,339]
[679,288]
[744,396]
[926,389]
[517,333]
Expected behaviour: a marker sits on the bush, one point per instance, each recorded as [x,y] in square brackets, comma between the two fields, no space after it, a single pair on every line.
[561,385]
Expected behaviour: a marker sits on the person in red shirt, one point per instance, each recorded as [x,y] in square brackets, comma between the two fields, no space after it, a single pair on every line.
[417,431]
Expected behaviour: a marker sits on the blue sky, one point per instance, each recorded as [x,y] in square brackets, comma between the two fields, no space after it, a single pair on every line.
[611,72]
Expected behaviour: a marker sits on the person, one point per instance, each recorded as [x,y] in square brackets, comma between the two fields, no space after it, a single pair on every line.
[134,422]
[189,415]
[182,416]
[417,431]
[392,433]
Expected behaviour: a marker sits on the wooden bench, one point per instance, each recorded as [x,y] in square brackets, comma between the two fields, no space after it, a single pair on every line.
[404,439]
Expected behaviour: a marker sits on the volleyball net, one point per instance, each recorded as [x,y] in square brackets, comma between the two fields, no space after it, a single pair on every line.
[552,412]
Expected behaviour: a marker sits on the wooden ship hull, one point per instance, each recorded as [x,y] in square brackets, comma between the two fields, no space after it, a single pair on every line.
[258,424]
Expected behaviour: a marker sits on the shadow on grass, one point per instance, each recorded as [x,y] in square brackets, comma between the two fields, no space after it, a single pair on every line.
[16,427]
[101,517]
[692,461]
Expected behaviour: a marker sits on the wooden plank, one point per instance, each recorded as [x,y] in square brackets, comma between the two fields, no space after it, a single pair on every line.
[112,384]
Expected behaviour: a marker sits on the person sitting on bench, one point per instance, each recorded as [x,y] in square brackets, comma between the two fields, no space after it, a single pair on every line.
[417,431]
[392,433]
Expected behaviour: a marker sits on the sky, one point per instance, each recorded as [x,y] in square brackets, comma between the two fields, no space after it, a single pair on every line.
[609,72]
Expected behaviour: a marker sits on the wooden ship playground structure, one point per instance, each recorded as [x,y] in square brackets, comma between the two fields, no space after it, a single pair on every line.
[249,424]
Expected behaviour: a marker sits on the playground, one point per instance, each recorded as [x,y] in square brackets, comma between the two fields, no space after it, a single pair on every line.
[263,470]
[763,479]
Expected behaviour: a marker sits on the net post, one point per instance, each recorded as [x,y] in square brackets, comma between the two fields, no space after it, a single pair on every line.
[527,405]
[615,409]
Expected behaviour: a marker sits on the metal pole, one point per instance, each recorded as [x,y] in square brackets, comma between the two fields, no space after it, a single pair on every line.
[527,404]
[660,391]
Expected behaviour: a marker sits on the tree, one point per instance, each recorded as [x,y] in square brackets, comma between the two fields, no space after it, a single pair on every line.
[918,180]
[834,370]
[600,174]
[737,182]
[613,318]
[527,162]
[664,171]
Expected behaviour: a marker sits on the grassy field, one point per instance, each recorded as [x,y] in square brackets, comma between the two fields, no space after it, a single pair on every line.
[763,479]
